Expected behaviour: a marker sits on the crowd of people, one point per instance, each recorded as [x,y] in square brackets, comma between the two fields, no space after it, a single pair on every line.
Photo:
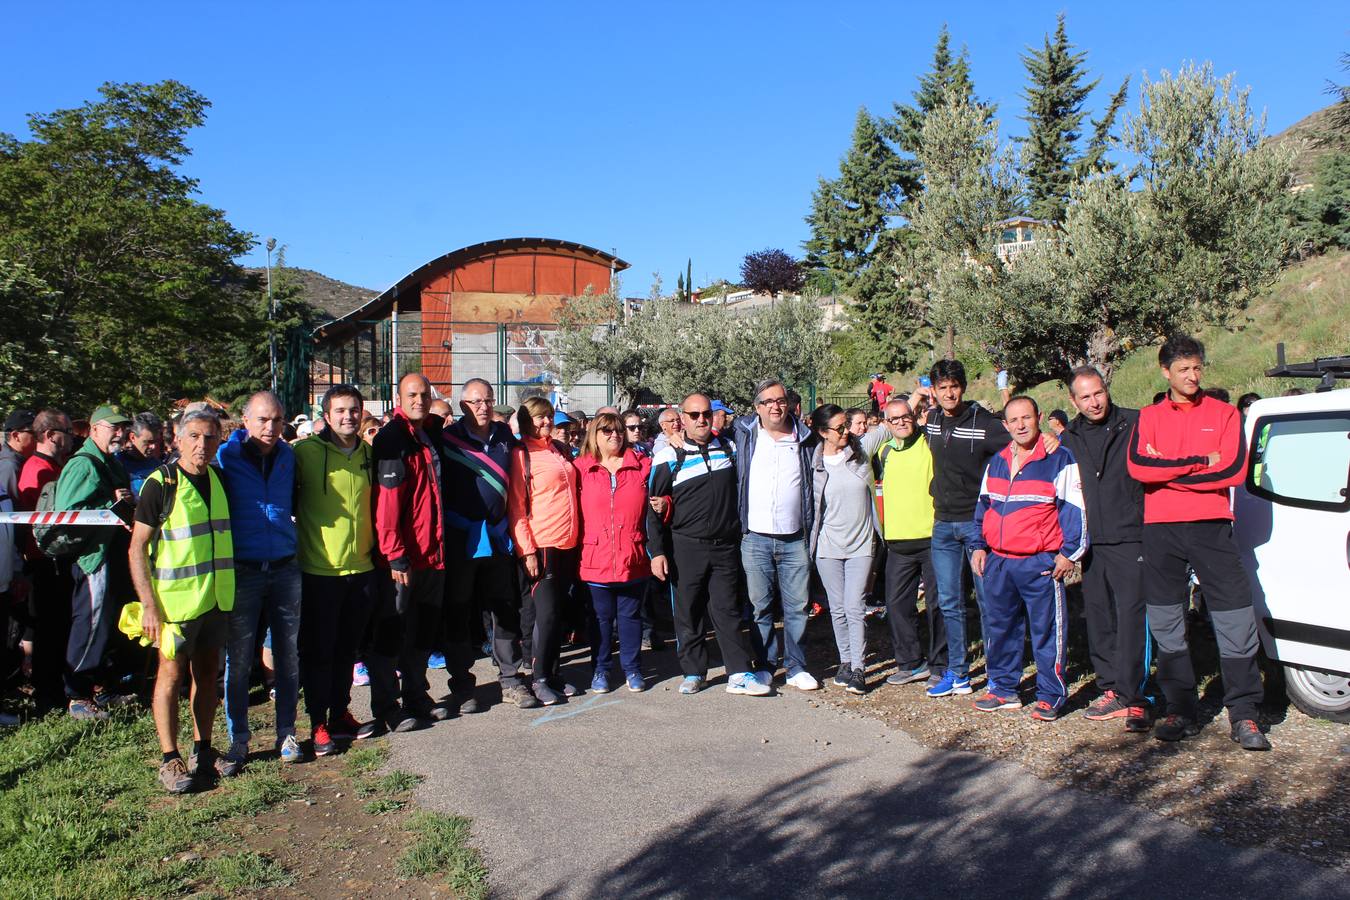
[306,551]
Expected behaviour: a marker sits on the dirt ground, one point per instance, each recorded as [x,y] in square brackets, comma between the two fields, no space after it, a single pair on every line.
[1296,798]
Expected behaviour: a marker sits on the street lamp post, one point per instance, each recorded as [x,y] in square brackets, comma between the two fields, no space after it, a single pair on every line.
[271,315]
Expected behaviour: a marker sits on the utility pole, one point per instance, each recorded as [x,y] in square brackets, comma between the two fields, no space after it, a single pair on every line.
[271,315]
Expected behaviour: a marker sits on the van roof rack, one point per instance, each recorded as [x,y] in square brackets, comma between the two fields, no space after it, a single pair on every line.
[1326,368]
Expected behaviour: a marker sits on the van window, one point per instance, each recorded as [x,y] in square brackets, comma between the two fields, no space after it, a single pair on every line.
[1302,459]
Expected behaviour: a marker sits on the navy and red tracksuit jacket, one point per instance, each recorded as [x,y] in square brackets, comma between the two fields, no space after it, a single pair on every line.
[1169,454]
[409,523]
[1040,510]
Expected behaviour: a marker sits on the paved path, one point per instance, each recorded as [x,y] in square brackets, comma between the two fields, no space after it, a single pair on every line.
[657,795]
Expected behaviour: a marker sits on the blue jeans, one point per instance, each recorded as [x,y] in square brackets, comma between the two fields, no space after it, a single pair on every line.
[616,604]
[275,591]
[769,561]
[953,542]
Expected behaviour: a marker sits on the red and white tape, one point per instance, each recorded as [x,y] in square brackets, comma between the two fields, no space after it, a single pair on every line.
[64,517]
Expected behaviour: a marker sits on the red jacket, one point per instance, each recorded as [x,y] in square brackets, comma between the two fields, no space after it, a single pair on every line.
[1179,483]
[613,520]
[409,524]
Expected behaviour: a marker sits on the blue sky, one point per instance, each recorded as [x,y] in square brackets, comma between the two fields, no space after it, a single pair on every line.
[370,138]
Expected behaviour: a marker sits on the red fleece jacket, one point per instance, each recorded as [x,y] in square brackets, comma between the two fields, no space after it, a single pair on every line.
[1179,483]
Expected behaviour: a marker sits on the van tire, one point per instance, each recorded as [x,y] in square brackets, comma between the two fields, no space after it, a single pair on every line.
[1322,695]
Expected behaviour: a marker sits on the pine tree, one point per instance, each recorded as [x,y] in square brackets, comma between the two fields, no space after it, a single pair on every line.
[848,213]
[679,287]
[1055,97]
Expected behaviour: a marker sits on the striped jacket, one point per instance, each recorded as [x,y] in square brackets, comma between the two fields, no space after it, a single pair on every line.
[1039,510]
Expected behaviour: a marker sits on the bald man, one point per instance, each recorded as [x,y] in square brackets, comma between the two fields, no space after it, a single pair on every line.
[259,479]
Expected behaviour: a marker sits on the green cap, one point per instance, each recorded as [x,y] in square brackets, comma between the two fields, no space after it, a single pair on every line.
[110,414]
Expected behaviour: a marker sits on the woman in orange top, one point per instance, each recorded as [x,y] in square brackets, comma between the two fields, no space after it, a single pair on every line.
[542,504]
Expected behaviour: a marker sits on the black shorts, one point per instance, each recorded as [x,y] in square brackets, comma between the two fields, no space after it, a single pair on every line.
[206,632]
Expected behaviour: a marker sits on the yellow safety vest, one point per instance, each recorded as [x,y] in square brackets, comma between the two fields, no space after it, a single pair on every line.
[192,558]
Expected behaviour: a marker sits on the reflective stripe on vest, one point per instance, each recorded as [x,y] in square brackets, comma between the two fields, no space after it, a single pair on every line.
[192,561]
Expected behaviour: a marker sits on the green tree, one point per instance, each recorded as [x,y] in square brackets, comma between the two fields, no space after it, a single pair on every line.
[135,269]
[1186,237]
[1057,90]
[34,364]
[1322,212]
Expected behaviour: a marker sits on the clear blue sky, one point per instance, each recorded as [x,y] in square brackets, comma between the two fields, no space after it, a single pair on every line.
[370,137]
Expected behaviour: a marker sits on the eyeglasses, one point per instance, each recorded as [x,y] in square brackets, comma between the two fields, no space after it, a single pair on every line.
[607,429]
[896,420]
[772,401]
[372,431]
[477,403]
[698,415]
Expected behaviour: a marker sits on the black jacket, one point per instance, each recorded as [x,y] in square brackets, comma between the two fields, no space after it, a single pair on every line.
[962,446]
[1114,500]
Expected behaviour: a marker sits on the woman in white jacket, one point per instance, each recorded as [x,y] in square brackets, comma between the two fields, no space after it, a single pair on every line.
[842,530]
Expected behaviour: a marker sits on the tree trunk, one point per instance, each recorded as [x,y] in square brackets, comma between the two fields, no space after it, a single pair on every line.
[1103,350]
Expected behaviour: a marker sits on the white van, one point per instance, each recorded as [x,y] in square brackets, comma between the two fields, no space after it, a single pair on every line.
[1293,526]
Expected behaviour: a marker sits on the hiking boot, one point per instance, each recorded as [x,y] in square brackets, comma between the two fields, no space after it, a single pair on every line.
[909,676]
[344,728]
[175,777]
[692,684]
[1137,719]
[520,695]
[841,676]
[109,700]
[857,682]
[949,684]
[1175,728]
[290,751]
[1044,712]
[323,741]
[1107,706]
[86,710]
[228,766]
[992,702]
[743,683]
[547,695]
[1248,735]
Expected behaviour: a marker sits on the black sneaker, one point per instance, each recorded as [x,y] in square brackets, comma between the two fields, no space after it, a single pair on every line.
[1175,728]
[1248,735]
[857,682]
[547,695]
[402,724]
[466,702]
[842,676]
[1138,720]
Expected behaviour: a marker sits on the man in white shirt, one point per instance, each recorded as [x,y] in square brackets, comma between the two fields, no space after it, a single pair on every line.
[774,496]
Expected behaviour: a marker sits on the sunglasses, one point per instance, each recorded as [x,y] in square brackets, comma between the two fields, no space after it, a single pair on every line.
[608,429]
[633,427]
[838,429]
[698,415]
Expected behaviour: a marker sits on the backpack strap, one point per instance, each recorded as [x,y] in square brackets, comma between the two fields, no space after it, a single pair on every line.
[170,491]
[879,467]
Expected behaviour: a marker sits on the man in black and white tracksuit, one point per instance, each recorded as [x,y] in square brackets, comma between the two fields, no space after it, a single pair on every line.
[1117,621]
[698,548]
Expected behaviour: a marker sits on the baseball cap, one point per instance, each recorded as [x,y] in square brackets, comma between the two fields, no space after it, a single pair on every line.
[110,414]
[719,406]
[19,420]
[561,418]
[502,410]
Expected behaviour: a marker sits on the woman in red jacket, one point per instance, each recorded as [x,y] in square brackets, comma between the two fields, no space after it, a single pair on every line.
[614,563]
[541,502]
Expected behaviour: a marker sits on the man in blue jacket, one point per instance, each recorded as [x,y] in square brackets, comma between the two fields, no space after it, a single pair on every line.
[260,484]
[776,501]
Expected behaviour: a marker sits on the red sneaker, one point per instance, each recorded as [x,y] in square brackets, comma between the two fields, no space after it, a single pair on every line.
[1107,706]
[1044,712]
[323,741]
[345,728]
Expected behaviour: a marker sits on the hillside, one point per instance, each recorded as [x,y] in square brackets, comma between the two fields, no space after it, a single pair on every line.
[1311,138]
[330,297]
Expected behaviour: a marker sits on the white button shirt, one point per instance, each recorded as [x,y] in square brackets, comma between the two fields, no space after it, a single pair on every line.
[775,492]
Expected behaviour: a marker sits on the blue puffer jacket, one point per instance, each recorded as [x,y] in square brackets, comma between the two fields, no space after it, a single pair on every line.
[260,510]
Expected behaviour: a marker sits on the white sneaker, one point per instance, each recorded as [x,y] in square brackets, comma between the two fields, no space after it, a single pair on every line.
[803,681]
[747,683]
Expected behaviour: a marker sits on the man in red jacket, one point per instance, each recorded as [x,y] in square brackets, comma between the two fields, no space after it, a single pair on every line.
[1188,450]
[410,532]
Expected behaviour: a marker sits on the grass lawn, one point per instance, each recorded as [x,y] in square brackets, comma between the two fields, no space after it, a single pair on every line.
[82,815]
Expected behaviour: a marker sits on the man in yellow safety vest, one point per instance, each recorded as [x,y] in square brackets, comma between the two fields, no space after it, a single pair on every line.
[182,564]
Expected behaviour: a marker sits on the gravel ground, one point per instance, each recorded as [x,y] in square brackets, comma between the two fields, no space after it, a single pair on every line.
[1295,799]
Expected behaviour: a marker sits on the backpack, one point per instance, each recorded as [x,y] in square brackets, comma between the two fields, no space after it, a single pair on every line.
[58,541]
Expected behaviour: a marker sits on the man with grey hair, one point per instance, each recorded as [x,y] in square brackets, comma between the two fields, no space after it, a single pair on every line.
[669,422]
[776,501]
[144,450]
[260,483]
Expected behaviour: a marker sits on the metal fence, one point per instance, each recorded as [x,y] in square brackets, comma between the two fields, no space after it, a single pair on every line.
[517,358]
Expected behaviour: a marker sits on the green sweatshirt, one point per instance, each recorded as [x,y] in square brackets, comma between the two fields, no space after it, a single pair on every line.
[906,497]
[88,481]
[334,512]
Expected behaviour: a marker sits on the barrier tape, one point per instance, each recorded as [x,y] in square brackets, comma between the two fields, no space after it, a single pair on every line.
[63,517]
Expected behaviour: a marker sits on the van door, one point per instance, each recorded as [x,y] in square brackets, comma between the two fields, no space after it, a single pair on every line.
[1293,523]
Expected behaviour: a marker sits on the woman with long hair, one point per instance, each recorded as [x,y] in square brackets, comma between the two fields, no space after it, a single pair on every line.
[841,532]
[614,563]
[542,505]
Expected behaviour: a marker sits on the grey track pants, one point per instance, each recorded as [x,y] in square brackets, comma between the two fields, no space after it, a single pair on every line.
[844,581]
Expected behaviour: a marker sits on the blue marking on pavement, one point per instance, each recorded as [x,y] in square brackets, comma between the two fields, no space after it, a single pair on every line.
[583,706]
